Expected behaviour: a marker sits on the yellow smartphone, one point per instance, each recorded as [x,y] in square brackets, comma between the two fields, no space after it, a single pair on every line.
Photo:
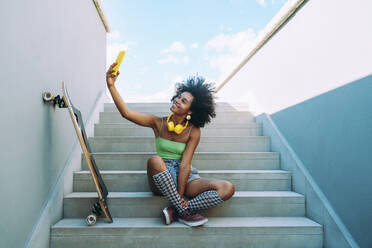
[118,61]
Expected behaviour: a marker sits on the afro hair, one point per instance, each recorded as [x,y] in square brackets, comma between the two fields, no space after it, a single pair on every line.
[203,105]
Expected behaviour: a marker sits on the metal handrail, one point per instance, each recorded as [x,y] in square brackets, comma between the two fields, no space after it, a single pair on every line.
[281,22]
[102,15]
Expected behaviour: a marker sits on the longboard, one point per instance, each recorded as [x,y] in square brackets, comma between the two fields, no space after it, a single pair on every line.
[77,120]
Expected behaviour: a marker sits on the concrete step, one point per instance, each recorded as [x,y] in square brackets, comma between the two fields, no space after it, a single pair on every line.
[145,204]
[201,160]
[225,117]
[206,144]
[248,129]
[252,232]
[136,181]
[165,106]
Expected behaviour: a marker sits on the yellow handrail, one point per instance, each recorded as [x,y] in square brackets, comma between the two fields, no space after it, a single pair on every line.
[293,10]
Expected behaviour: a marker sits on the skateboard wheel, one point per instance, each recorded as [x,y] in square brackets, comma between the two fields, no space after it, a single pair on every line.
[48,96]
[91,219]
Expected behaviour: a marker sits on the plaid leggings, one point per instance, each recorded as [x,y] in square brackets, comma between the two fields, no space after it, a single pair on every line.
[165,183]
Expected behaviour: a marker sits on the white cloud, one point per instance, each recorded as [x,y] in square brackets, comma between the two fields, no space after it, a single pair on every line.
[170,59]
[225,29]
[231,49]
[143,70]
[138,86]
[175,47]
[185,60]
[113,50]
[227,58]
[163,95]
[261,2]
[172,78]
[233,43]
[194,45]
[114,35]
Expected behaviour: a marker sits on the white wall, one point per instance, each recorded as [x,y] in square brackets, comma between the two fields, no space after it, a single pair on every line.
[325,45]
[42,44]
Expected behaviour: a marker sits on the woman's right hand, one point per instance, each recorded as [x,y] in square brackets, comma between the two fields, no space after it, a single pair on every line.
[184,203]
[110,78]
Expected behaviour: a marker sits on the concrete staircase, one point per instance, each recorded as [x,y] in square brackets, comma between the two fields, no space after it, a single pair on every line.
[263,213]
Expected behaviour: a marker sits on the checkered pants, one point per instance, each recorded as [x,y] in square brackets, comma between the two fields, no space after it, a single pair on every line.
[164,182]
[205,200]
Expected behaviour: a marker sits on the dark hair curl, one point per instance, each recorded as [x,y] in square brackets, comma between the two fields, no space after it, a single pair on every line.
[203,105]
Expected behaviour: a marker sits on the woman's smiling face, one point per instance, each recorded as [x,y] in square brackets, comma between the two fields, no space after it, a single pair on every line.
[182,103]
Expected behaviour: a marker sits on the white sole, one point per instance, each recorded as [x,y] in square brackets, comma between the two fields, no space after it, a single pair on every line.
[194,223]
[166,216]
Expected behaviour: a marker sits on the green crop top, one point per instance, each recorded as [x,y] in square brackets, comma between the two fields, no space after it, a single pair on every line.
[169,149]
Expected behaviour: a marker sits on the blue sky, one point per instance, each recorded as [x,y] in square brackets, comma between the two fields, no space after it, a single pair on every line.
[167,41]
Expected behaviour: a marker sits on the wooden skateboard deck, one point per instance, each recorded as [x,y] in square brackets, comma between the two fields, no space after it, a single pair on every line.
[77,120]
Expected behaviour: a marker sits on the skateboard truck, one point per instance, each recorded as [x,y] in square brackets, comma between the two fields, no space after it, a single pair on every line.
[96,211]
[56,100]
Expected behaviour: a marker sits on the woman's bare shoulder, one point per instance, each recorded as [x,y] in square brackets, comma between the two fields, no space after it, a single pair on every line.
[195,131]
[157,123]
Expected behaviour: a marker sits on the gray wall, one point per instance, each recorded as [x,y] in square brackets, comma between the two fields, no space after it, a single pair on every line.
[332,135]
[42,43]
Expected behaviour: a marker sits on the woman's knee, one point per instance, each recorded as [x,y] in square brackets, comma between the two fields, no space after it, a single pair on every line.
[226,190]
[155,165]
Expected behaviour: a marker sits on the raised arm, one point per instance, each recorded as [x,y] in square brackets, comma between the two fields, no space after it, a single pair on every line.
[145,120]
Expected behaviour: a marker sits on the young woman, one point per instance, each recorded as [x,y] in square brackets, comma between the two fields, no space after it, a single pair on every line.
[170,172]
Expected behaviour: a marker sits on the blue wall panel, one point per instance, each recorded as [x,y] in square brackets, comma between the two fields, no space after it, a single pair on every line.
[332,135]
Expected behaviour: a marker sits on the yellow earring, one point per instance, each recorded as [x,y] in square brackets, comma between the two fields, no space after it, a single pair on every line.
[178,128]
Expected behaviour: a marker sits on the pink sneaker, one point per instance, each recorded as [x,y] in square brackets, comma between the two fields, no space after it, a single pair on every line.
[168,215]
[190,218]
